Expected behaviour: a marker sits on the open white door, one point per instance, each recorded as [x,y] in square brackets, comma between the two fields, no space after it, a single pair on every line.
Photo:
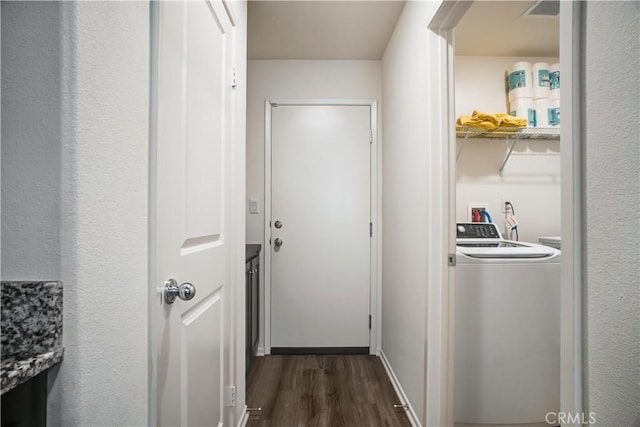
[192,206]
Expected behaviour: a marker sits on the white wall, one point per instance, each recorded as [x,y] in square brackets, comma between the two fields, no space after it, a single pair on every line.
[31,147]
[103,379]
[282,79]
[611,201]
[531,177]
[405,115]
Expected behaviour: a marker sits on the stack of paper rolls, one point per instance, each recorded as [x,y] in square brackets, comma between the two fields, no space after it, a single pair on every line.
[533,92]
[520,82]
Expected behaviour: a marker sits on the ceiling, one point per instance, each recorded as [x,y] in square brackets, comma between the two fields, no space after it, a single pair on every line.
[496,28]
[321,29]
[326,29]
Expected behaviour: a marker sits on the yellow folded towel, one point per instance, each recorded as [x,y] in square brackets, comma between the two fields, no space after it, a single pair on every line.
[491,121]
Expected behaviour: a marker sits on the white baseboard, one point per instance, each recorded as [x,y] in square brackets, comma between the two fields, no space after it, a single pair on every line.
[260,352]
[244,418]
[411,414]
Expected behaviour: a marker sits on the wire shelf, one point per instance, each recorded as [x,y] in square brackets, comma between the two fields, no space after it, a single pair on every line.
[507,132]
[510,133]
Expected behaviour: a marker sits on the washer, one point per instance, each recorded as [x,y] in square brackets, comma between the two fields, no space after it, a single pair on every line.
[507,329]
[553,241]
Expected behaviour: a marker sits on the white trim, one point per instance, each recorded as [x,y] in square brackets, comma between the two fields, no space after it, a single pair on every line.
[411,413]
[244,417]
[154,18]
[571,386]
[267,229]
[449,14]
[441,287]
[439,366]
[375,281]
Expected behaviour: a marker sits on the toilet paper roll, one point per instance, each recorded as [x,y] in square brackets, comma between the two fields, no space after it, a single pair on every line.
[554,113]
[541,107]
[554,81]
[540,72]
[523,107]
[519,80]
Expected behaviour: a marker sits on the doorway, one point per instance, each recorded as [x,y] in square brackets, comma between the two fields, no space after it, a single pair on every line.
[320,200]
[443,26]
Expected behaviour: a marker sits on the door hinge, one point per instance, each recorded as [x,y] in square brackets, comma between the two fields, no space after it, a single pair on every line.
[370,136]
[234,77]
[370,229]
[369,322]
[452,260]
[231,395]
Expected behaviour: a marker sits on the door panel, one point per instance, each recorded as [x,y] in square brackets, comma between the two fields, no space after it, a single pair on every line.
[201,359]
[191,211]
[321,194]
[205,123]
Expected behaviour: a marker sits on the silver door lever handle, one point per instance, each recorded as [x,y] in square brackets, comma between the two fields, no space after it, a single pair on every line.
[185,292]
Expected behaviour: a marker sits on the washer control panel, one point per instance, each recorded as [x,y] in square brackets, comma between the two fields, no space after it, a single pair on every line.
[477,230]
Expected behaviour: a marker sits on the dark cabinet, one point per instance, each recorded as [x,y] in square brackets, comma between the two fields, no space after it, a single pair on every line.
[252,289]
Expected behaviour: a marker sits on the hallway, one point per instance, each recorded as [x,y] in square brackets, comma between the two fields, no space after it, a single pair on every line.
[324,391]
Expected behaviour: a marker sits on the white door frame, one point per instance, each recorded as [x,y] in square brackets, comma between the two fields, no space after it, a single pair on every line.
[153,168]
[439,367]
[374,283]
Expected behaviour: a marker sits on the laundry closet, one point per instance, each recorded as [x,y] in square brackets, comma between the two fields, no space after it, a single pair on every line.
[507,297]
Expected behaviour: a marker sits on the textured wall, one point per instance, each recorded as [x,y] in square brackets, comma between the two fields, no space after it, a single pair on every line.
[405,112]
[612,102]
[31,144]
[103,379]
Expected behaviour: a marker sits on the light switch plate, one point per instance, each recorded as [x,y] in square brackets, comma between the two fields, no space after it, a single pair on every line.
[254,206]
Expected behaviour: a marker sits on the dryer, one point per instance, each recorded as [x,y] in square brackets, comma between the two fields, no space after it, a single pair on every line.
[507,329]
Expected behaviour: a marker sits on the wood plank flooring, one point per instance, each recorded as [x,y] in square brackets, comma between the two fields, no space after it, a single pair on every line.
[322,391]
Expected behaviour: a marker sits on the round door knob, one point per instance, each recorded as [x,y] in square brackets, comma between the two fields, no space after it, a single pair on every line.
[185,292]
[278,224]
[277,242]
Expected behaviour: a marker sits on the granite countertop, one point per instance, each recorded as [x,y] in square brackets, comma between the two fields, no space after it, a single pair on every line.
[252,250]
[16,371]
[31,330]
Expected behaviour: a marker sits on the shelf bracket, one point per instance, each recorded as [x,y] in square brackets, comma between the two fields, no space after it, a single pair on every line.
[506,159]
[460,148]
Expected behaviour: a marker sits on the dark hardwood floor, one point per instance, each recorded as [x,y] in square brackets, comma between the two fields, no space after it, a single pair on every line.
[322,391]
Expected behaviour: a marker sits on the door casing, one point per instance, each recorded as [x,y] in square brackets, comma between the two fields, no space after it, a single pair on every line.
[375,277]
[439,376]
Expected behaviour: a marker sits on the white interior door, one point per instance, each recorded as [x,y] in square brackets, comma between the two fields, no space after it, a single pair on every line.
[192,211]
[320,195]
